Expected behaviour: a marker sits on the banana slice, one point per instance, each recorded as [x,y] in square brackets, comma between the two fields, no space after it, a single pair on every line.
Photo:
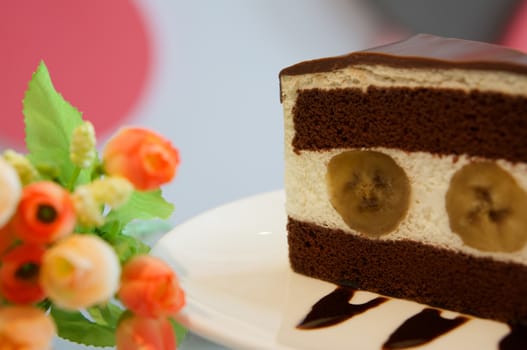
[487,208]
[369,191]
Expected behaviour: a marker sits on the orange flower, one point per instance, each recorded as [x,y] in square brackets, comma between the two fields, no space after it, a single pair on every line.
[7,238]
[150,288]
[19,274]
[136,333]
[144,157]
[25,327]
[44,214]
[80,271]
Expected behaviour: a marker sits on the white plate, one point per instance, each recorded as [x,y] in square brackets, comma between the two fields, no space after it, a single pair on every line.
[241,293]
[232,263]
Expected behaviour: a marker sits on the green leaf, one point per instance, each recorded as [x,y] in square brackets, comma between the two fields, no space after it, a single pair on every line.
[142,206]
[126,247]
[74,327]
[181,332]
[44,304]
[143,228]
[50,121]
[111,229]
[106,315]
[147,231]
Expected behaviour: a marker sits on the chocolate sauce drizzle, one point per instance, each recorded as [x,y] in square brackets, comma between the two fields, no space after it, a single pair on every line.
[422,328]
[417,330]
[516,339]
[335,308]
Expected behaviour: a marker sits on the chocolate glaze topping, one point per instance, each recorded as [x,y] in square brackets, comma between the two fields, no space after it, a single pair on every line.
[423,51]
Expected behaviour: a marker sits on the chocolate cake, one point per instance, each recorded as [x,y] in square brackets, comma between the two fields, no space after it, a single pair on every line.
[406,173]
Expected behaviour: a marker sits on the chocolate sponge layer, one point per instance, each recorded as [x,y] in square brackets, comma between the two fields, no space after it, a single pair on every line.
[482,287]
[440,121]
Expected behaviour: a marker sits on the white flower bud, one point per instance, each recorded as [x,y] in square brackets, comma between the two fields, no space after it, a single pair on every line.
[10,193]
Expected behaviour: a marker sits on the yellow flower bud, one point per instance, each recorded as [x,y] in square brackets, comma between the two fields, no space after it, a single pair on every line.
[111,190]
[26,171]
[88,210]
[82,147]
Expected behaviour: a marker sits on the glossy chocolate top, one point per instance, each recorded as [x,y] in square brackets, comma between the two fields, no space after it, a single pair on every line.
[422,51]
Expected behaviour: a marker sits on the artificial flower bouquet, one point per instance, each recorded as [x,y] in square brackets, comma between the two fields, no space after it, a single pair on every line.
[71,262]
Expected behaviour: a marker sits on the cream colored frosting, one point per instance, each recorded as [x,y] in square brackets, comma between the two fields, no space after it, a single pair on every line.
[427,219]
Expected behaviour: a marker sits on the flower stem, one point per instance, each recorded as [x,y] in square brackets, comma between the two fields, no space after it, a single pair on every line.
[76,173]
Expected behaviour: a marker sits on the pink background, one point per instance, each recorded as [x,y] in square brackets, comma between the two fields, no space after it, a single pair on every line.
[98,52]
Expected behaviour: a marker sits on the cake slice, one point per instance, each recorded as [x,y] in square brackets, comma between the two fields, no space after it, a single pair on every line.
[406,173]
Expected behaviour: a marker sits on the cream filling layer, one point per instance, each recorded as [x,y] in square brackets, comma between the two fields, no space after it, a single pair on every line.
[426,220]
